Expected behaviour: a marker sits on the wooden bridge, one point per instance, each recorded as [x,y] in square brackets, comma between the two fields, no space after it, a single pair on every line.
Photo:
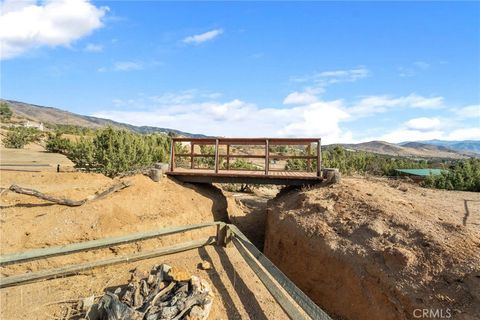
[246,160]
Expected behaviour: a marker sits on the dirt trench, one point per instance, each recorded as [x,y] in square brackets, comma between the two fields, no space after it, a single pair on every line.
[371,248]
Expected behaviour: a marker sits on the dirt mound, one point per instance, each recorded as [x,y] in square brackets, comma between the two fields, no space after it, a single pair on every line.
[376,249]
[27,222]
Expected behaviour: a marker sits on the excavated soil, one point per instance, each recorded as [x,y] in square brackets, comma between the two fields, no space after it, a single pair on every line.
[379,249]
[28,223]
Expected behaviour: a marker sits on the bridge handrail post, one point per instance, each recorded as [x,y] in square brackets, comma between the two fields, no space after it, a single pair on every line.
[319,158]
[267,157]
[172,154]
[216,155]
[228,156]
[192,151]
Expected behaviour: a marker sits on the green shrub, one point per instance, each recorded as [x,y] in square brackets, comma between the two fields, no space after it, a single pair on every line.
[19,137]
[70,129]
[463,175]
[349,162]
[55,143]
[113,152]
[5,112]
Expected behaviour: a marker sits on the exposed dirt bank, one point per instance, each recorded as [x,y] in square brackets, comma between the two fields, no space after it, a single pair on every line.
[374,249]
[27,222]
[248,211]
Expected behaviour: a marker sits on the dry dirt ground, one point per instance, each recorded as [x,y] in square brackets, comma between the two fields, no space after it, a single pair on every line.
[238,294]
[380,249]
[27,223]
[32,158]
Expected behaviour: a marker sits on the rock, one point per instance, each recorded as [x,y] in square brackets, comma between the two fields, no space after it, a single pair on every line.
[155,174]
[205,265]
[151,279]
[162,166]
[87,303]
[179,275]
[331,176]
[397,258]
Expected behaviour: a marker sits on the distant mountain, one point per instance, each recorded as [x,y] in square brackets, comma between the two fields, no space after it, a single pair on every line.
[465,145]
[49,115]
[411,149]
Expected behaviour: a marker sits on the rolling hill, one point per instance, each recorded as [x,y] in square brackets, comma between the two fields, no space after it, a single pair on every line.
[49,115]
[422,149]
[463,146]
[411,149]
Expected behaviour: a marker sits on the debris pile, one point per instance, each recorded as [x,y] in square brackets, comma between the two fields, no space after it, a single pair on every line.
[166,294]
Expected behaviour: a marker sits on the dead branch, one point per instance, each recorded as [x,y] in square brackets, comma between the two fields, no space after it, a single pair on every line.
[65,201]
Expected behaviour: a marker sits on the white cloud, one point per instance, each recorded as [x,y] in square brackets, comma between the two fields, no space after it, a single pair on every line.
[92,47]
[206,36]
[421,64]
[300,98]
[25,25]
[401,135]
[464,134]
[424,128]
[235,118]
[329,77]
[320,80]
[325,78]
[412,70]
[378,104]
[127,66]
[406,72]
[423,124]
[471,111]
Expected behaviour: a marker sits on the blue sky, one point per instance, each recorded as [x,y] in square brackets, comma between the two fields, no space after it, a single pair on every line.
[347,72]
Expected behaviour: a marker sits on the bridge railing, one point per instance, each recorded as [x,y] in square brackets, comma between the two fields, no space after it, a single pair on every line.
[222,151]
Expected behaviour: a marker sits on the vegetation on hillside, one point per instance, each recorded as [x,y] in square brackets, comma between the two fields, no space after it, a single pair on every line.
[19,137]
[71,129]
[350,162]
[111,151]
[56,143]
[5,112]
[462,175]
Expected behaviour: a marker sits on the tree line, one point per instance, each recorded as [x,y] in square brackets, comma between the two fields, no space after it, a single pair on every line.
[111,151]
[116,151]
